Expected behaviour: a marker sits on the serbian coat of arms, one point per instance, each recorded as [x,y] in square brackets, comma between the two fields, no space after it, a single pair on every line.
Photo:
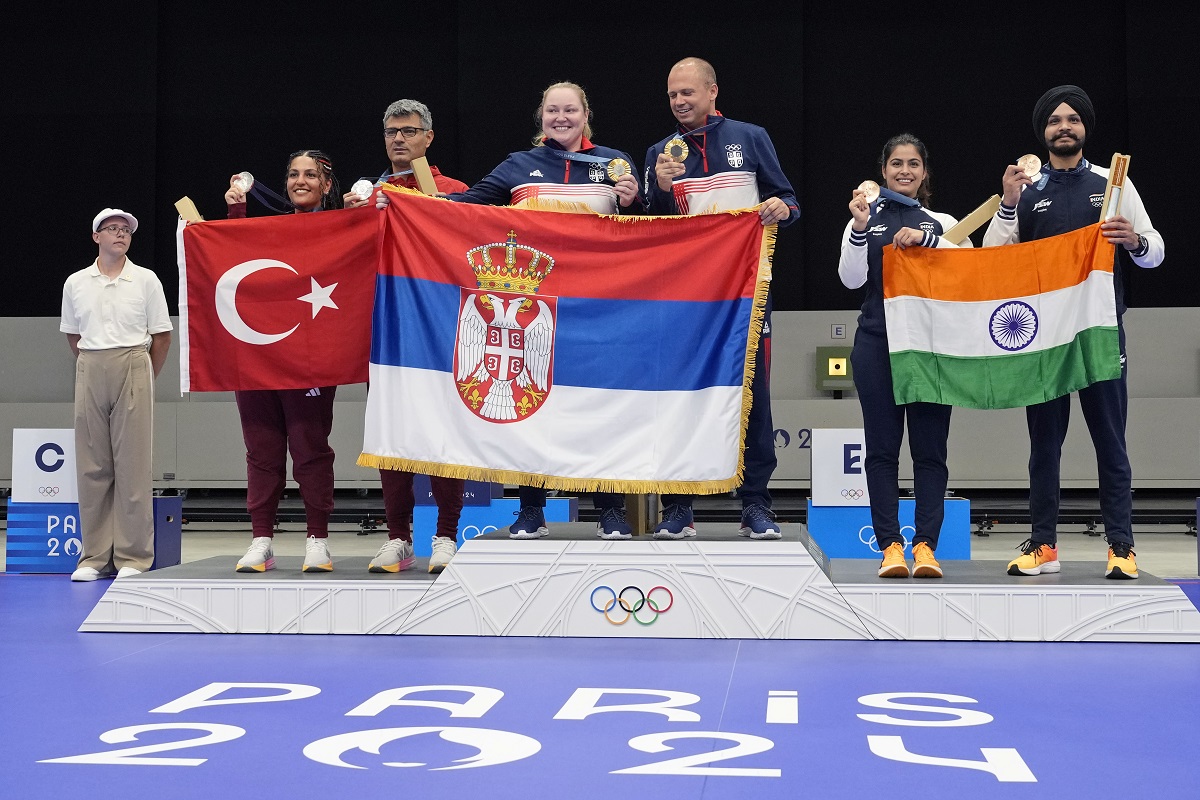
[504,350]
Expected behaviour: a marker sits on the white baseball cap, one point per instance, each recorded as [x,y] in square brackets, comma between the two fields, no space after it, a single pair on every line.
[114,212]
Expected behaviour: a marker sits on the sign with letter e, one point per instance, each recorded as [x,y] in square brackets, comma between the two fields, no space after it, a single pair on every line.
[839,477]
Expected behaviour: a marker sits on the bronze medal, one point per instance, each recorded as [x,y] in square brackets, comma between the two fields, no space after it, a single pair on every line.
[1030,164]
[870,190]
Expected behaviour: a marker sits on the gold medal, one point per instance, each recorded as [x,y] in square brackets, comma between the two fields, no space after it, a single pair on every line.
[870,190]
[676,149]
[618,168]
[1030,164]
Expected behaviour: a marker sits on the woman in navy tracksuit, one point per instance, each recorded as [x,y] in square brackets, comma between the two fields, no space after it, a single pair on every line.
[562,166]
[899,218]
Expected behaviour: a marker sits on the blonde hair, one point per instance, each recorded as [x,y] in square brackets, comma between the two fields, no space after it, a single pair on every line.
[539,138]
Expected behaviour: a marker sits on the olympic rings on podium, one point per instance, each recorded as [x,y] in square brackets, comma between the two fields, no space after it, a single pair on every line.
[631,609]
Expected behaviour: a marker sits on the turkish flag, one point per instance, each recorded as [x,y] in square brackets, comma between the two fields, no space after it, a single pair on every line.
[277,302]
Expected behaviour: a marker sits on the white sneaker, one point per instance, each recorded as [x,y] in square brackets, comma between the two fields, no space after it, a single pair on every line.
[395,555]
[316,556]
[85,574]
[128,572]
[260,557]
[444,549]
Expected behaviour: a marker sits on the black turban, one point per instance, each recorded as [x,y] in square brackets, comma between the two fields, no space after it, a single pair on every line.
[1073,96]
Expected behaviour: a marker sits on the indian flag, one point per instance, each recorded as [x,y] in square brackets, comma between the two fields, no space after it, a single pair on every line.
[1001,327]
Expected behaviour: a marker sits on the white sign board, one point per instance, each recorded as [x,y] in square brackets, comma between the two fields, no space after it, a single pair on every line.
[839,477]
[43,466]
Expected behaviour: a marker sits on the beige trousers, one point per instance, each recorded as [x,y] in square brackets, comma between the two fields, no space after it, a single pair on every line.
[114,425]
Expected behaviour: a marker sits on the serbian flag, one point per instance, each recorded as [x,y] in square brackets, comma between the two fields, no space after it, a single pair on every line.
[567,350]
[1001,327]
[278,302]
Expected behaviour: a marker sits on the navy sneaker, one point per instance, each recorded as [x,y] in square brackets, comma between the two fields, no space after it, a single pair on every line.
[530,524]
[758,522]
[612,524]
[676,523]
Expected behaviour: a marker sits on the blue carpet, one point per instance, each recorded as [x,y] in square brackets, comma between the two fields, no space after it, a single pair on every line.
[1045,711]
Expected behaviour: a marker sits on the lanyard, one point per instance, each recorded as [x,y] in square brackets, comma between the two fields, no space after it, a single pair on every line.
[702,129]
[896,197]
[269,198]
[581,157]
[383,178]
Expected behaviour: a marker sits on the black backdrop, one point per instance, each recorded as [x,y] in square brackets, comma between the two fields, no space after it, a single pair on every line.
[137,104]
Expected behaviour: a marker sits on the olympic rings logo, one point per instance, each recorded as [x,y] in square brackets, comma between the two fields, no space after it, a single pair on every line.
[852,494]
[471,531]
[873,543]
[48,491]
[631,609]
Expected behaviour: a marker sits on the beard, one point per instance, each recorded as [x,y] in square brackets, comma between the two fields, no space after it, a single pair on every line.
[1066,149]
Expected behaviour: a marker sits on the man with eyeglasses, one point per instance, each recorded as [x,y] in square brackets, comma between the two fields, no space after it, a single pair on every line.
[407,134]
[115,316]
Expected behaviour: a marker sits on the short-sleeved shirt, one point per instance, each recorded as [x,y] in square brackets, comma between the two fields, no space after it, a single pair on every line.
[113,313]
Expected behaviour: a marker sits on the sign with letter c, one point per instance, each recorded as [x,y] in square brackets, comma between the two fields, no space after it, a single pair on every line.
[43,466]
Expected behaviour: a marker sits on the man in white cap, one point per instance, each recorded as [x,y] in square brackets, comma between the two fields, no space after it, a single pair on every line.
[115,316]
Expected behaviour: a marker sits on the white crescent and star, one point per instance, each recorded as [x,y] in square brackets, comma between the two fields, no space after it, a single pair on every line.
[226,300]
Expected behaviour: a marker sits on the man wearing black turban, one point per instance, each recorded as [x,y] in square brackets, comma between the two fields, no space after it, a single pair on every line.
[1067,194]
[1075,98]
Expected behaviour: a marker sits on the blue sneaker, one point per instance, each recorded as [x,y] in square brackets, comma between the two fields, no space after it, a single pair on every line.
[613,525]
[758,522]
[530,524]
[676,523]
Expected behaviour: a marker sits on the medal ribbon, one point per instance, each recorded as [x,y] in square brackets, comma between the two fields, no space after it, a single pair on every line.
[698,131]
[269,198]
[563,154]
[383,178]
[896,197]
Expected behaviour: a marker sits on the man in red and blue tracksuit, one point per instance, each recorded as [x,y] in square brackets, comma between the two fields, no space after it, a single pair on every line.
[727,165]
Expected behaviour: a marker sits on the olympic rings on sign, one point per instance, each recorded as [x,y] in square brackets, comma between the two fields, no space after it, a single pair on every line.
[852,494]
[48,491]
[632,609]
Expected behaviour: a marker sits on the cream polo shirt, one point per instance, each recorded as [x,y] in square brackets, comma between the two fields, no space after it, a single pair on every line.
[109,314]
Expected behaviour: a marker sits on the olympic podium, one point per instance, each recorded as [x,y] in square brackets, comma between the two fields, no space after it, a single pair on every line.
[716,585]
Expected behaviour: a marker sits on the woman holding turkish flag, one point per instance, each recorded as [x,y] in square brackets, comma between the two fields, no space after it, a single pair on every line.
[276,421]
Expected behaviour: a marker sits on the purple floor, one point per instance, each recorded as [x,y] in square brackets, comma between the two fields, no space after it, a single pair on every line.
[1054,720]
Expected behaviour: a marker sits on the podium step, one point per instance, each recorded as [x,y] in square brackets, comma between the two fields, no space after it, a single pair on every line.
[716,585]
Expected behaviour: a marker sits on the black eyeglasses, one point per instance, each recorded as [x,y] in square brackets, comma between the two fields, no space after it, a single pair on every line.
[407,132]
[117,229]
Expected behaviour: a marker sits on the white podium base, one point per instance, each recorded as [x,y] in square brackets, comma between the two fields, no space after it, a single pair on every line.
[717,585]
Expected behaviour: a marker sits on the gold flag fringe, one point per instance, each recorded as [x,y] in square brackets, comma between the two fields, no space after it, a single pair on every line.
[549,481]
[757,314]
[391,187]
[560,206]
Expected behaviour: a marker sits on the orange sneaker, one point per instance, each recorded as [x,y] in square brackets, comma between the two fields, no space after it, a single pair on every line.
[924,564]
[1121,565]
[1035,559]
[893,565]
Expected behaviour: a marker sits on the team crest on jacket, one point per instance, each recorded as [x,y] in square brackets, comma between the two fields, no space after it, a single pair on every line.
[596,173]
[504,350]
[733,154]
